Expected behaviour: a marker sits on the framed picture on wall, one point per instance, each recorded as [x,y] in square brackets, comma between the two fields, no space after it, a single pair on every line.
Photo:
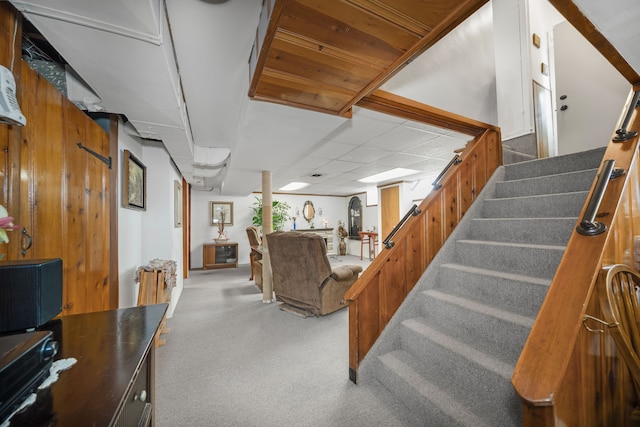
[134,183]
[221,211]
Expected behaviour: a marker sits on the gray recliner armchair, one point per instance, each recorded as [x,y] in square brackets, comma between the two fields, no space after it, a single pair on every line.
[302,275]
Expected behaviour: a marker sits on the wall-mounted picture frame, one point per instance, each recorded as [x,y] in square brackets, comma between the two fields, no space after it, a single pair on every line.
[134,183]
[220,210]
[177,204]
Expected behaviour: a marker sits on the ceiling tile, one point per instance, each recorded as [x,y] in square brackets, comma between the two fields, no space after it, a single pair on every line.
[401,138]
[360,131]
[340,166]
[332,150]
[399,160]
[442,147]
[364,154]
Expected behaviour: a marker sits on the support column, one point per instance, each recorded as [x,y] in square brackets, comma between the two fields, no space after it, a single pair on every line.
[267,227]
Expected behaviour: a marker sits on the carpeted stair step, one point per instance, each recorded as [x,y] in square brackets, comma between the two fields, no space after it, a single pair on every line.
[512,156]
[503,332]
[398,372]
[547,231]
[554,205]
[501,290]
[554,165]
[526,144]
[462,370]
[550,184]
[517,258]
[421,390]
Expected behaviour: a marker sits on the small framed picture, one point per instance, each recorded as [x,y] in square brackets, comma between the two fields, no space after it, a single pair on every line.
[134,183]
[221,212]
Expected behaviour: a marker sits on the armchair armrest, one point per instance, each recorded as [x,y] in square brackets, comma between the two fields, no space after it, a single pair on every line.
[345,272]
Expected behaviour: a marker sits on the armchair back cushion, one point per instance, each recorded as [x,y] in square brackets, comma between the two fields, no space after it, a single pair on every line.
[253,233]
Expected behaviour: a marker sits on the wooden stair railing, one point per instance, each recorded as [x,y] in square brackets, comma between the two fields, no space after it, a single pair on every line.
[567,374]
[377,294]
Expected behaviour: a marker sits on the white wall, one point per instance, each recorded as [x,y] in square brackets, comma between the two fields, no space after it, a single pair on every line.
[161,239]
[203,232]
[542,18]
[150,234]
[129,229]
[457,74]
[334,209]
[513,69]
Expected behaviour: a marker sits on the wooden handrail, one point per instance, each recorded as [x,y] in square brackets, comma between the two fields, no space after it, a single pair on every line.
[564,374]
[377,294]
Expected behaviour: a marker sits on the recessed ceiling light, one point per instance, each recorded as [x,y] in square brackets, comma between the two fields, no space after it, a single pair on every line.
[292,186]
[390,174]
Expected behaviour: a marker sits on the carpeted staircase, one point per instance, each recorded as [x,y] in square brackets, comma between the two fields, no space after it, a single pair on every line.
[520,149]
[449,352]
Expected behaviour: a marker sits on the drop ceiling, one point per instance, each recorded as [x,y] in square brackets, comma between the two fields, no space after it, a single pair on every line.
[178,70]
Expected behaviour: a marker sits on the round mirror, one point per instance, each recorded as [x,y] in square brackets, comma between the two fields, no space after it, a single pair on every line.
[308,211]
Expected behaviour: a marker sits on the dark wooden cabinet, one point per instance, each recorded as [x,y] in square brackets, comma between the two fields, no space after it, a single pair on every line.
[112,382]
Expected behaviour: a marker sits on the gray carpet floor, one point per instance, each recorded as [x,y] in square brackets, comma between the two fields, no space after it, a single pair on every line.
[231,360]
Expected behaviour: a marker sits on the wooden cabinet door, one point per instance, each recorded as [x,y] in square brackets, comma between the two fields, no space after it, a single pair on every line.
[208,256]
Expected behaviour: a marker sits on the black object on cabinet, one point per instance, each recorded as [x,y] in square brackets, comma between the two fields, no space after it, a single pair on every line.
[30,293]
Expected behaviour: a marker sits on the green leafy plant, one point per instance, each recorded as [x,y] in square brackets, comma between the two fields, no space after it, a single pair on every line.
[280,213]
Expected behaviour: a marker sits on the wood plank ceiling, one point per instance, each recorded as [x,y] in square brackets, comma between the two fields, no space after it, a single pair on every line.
[327,55]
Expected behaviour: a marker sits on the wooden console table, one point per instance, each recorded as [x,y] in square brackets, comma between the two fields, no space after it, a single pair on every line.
[326,233]
[370,239]
[112,382]
[219,255]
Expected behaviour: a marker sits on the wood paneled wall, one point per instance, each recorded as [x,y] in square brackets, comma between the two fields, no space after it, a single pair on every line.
[581,380]
[378,293]
[59,193]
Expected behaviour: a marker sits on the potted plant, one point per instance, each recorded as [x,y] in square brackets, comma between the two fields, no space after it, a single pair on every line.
[279,213]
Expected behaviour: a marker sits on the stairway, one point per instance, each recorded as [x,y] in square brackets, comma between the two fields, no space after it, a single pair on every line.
[520,149]
[449,352]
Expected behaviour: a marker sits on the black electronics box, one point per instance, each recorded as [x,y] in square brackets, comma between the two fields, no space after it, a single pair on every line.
[30,293]
[25,361]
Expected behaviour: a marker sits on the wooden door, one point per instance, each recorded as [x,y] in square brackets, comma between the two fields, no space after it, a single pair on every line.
[389,208]
[63,195]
